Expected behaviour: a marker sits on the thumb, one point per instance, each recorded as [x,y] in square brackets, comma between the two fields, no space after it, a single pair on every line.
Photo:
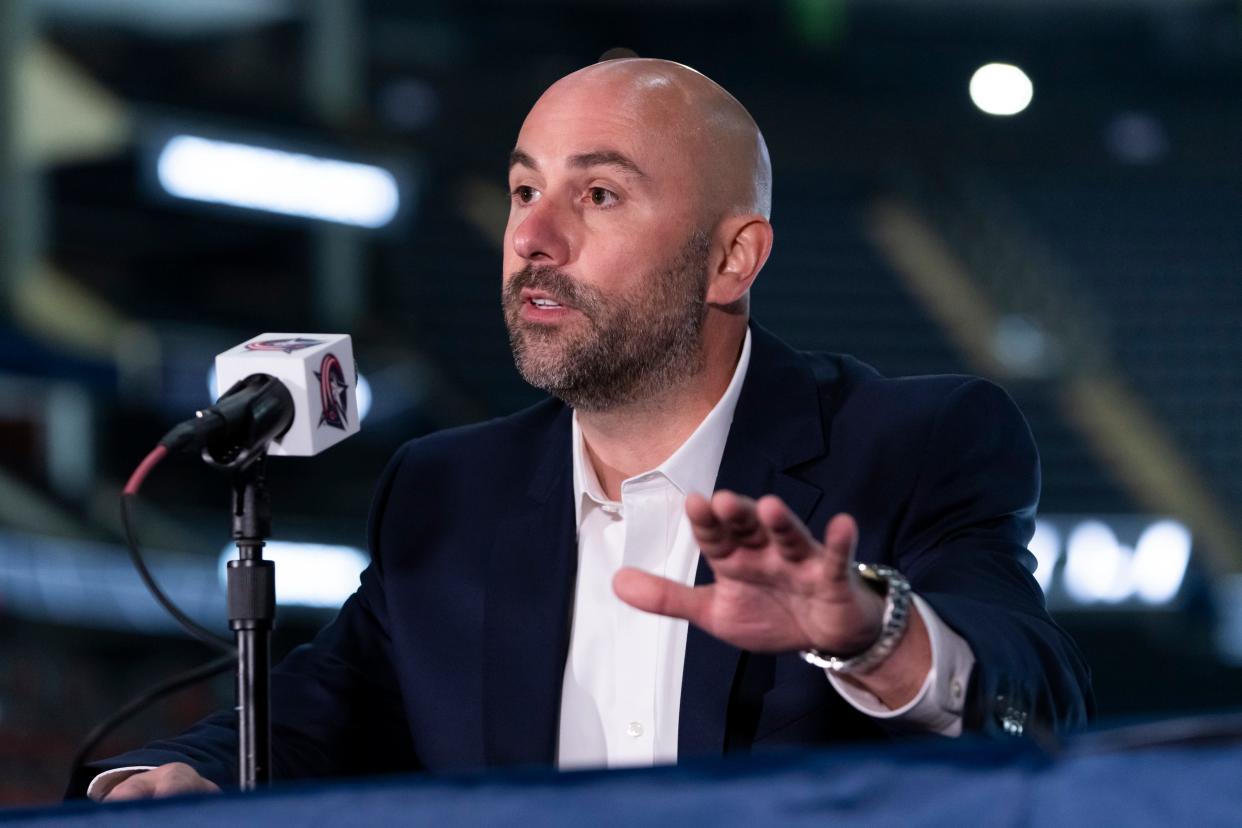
[651,593]
[840,541]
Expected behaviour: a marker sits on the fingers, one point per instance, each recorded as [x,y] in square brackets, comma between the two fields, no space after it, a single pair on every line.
[840,541]
[793,541]
[651,593]
[730,521]
[726,522]
[138,786]
[709,532]
[167,780]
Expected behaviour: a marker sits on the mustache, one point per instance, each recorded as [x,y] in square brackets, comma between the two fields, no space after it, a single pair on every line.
[564,288]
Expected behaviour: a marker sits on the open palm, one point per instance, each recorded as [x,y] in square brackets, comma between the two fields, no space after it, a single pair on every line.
[776,588]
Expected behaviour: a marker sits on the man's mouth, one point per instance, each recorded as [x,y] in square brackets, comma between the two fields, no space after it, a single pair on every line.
[542,301]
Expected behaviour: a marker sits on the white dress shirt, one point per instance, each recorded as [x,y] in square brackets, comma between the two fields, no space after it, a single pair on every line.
[621,693]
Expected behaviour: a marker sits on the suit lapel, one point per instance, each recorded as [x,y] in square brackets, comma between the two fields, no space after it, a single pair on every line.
[530,587]
[778,424]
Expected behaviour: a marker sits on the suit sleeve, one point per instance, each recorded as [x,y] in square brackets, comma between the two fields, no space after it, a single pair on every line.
[962,544]
[336,708]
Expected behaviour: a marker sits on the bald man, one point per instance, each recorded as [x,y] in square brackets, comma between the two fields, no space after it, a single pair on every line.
[703,541]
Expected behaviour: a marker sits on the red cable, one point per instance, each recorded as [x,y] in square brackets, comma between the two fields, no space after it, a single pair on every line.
[144,468]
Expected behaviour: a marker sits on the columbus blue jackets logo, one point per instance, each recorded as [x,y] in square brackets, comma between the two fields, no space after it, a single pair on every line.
[333,393]
[286,345]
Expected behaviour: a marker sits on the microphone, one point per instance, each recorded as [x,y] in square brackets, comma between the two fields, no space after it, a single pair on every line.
[288,394]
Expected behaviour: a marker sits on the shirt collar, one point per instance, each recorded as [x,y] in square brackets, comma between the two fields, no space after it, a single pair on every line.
[691,468]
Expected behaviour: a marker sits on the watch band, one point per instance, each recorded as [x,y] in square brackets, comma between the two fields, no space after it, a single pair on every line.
[896,591]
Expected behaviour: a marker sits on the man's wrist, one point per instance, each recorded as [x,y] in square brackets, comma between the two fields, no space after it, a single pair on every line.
[895,590]
[938,704]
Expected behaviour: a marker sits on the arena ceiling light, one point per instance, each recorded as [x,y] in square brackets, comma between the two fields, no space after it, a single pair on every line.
[1096,565]
[170,18]
[308,574]
[277,181]
[1001,89]
[1160,559]
[1099,569]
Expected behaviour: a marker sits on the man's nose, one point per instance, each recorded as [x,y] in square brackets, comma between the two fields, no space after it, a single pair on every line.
[542,237]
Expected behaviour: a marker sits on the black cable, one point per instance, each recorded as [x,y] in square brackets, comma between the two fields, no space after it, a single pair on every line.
[220,665]
[198,631]
[135,706]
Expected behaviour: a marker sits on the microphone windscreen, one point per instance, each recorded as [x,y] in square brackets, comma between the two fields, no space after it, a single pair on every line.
[318,370]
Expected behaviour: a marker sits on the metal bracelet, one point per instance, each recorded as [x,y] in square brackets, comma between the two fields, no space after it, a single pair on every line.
[892,628]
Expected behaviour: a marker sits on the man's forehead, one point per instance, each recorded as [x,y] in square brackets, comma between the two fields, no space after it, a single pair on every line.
[626,108]
[670,122]
[588,132]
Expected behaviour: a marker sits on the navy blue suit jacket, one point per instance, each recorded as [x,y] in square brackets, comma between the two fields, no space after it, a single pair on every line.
[450,655]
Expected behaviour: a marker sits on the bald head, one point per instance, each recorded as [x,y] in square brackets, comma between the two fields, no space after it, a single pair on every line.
[691,114]
[638,221]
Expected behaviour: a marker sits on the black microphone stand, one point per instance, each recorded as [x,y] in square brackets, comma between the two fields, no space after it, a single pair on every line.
[233,433]
[252,613]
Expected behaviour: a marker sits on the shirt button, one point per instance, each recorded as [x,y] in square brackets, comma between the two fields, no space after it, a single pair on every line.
[634,729]
[610,509]
[956,689]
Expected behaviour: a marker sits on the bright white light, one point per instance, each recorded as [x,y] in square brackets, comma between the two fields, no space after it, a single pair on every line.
[1097,568]
[309,574]
[213,383]
[1160,559]
[364,398]
[1001,89]
[1045,545]
[292,184]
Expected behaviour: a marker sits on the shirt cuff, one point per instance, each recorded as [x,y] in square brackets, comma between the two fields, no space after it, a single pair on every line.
[937,707]
[103,784]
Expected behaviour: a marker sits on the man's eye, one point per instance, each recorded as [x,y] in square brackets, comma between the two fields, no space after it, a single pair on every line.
[601,197]
[524,194]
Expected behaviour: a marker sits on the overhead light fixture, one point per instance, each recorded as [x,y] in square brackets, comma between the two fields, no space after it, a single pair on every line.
[276,181]
[1160,559]
[1100,570]
[1096,566]
[1001,89]
[309,574]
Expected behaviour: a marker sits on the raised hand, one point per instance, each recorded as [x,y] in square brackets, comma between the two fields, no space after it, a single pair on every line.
[779,589]
[776,588]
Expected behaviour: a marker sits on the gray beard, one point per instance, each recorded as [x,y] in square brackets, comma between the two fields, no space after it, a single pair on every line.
[636,347]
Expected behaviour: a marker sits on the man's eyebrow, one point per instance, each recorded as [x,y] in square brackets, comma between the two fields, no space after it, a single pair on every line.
[518,157]
[606,158]
[585,160]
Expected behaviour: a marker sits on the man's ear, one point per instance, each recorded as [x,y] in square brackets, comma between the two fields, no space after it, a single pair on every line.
[742,247]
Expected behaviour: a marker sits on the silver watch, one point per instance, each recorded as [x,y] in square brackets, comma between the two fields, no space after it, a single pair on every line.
[889,583]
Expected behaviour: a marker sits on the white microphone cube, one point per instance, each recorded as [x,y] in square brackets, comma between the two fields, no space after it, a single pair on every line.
[318,370]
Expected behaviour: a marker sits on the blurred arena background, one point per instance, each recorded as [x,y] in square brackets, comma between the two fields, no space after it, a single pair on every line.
[179,175]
